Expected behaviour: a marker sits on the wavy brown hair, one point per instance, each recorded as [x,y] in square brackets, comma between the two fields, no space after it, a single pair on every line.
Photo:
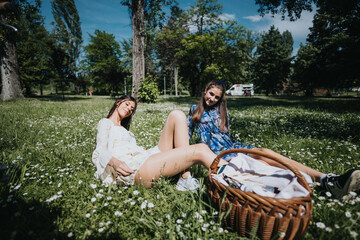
[221,104]
[126,121]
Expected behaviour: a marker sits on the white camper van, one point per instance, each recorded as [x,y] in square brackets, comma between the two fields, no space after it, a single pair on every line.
[241,90]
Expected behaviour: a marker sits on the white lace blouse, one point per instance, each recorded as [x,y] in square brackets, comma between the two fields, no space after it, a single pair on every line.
[116,141]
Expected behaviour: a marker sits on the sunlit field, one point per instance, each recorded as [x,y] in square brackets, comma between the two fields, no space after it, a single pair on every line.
[52,193]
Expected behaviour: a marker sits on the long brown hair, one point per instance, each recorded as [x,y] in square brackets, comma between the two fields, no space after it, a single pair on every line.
[126,121]
[221,104]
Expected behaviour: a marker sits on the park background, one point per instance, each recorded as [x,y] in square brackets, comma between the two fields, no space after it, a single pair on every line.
[305,107]
[177,48]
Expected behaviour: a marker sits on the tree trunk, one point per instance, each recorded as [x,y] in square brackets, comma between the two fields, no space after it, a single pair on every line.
[171,76]
[11,87]
[76,86]
[176,73]
[51,86]
[138,61]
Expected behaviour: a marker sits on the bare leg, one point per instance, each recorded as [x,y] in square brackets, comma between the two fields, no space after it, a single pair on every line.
[316,175]
[175,134]
[174,161]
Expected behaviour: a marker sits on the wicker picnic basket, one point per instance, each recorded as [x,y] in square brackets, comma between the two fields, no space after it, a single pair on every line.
[250,213]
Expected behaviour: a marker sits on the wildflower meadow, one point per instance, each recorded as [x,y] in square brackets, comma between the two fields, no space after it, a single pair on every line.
[51,193]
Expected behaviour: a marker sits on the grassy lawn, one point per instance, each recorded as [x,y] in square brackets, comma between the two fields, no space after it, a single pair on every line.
[52,193]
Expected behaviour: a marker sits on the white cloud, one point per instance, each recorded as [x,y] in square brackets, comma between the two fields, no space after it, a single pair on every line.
[226,16]
[299,28]
[255,18]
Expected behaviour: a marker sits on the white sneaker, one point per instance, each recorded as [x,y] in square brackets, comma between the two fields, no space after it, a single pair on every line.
[341,185]
[188,184]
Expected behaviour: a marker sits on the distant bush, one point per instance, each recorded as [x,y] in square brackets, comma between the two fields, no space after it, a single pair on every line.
[148,91]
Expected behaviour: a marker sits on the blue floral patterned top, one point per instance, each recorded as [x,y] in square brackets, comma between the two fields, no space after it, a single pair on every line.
[209,133]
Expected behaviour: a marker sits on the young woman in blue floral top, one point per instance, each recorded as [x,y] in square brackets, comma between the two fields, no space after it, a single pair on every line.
[209,119]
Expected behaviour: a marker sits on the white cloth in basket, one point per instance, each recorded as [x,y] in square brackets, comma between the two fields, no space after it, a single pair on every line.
[251,175]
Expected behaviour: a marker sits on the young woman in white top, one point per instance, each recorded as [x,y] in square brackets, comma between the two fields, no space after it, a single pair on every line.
[118,158]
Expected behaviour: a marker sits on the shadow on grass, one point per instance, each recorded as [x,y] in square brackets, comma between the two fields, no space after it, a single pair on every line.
[303,126]
[333,105]
[180,100]
[63,98]
[316,127]
[115,236]
[27,219]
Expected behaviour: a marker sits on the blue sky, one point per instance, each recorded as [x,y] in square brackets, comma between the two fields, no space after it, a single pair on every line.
[110,16]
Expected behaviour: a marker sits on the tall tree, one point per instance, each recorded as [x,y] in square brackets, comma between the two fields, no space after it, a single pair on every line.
[196,52]
[126,49]
[214,49]
[33,49]
[217,54]
[154,16]
[335,35]
[205,14]
[10,77]
[252,39]
[169,43]
[60,65]
[68,31]
[145,15]
[272,66]
[102,59]
[306,66]
[136,8]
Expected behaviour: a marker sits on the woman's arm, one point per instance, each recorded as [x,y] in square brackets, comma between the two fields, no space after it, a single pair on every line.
[120,167]
[102,155]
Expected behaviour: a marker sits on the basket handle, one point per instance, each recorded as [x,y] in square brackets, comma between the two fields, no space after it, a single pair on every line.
[300,177]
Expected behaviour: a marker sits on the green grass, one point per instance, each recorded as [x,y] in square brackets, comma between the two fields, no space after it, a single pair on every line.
[52,193]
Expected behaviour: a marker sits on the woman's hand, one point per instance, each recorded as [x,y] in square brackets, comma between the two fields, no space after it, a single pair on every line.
[120,167]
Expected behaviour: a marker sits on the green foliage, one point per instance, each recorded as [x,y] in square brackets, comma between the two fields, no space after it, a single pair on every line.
[12,18]
[219,54]
[68,27]
[103,63]
[148,91]
[145,24]
[33,49]
[68,35]
[272,64]
[293,8]
[217,50]
[335,35]
[168,41]
[305,69]
[205,14]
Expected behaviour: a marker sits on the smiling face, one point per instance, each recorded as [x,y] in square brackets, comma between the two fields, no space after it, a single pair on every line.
[212,96]
[126,108]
